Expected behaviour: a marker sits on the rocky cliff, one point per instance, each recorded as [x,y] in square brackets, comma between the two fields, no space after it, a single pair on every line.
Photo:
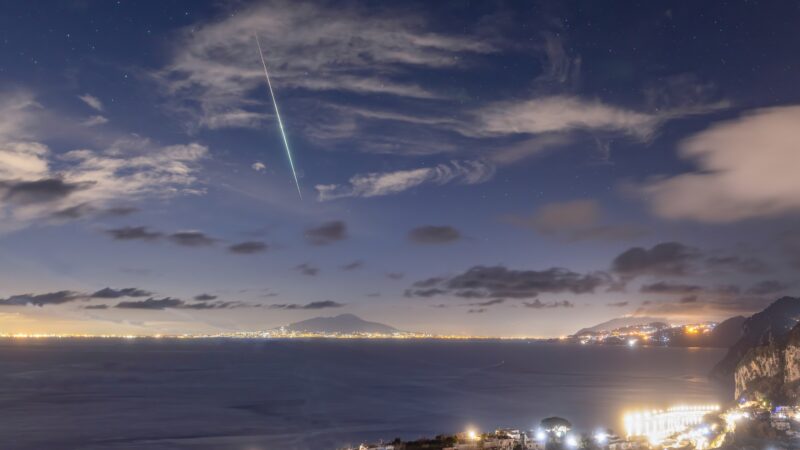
[771,369]
[769,328]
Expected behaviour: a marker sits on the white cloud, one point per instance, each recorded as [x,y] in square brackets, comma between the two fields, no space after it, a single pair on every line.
[385,183]
[565,113]
[17,110]
[35,181]
[747,168]
[92,101]
[95,120]
[561,113]
[216,69]
[23,161]
[259,166]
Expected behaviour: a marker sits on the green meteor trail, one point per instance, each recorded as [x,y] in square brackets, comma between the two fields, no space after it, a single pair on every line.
[278,115]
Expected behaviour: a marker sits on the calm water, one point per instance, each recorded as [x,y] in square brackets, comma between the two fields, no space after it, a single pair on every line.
[319,395]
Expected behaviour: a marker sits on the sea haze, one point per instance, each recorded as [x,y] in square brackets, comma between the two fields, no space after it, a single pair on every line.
[318,395]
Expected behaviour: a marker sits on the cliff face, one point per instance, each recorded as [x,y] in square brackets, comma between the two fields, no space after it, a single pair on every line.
[792,359]
[760,372]
[769,327]
[772,370]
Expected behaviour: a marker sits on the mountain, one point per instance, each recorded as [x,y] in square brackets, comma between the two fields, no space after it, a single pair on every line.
[763,333]
[620,322]
[343,323]
[724,335]
[727,333]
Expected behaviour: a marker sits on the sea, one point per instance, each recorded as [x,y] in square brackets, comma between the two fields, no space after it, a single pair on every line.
[323,394]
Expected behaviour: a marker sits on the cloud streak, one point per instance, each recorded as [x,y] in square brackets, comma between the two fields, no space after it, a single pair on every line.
[325,304]
[378,184]
[501,282]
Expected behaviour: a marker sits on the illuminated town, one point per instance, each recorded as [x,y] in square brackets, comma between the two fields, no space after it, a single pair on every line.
[650,334]
[689,427]
[656,333]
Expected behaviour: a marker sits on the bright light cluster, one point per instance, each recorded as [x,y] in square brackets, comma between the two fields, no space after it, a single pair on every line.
[657,425]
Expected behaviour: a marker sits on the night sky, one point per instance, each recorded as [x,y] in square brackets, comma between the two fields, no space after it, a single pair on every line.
[491,168]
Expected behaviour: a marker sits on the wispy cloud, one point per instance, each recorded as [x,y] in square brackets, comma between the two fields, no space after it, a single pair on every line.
[501,282]
[313,305]
[387,183]
[92,101]
[36,181]
[95,120]
[215,65]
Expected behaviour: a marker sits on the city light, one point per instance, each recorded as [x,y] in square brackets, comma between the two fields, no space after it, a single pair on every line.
[657,425]
[601,437]
[571,441]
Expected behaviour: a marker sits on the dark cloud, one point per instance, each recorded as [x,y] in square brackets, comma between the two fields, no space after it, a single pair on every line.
[691,290]
[789,243]
[432,234]
[663,287]
[96,307]
[152,303]
[353,265]
[215,305]
[425,293]
[476,311]
[395,275]
[313,305]
[192,239]
[307,269]
[327,233]
[117,293]
[575,220]
[175,303]
[205,297]
[492,302]
[501,282]
[618,304]
[701,306]
[74,212]
[429,282]
[749,265]
[51,298]
[374,294]
[248,247]
[538,304]
[134,233]
[40,191]
[767,287]
[668,258]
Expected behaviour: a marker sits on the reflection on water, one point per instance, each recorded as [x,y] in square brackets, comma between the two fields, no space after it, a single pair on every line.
[322,394]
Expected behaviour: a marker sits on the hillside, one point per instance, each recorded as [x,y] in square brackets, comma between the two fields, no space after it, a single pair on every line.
[619,322]
[343,323]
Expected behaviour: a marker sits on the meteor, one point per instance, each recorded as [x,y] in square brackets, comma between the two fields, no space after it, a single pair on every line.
[278,115]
